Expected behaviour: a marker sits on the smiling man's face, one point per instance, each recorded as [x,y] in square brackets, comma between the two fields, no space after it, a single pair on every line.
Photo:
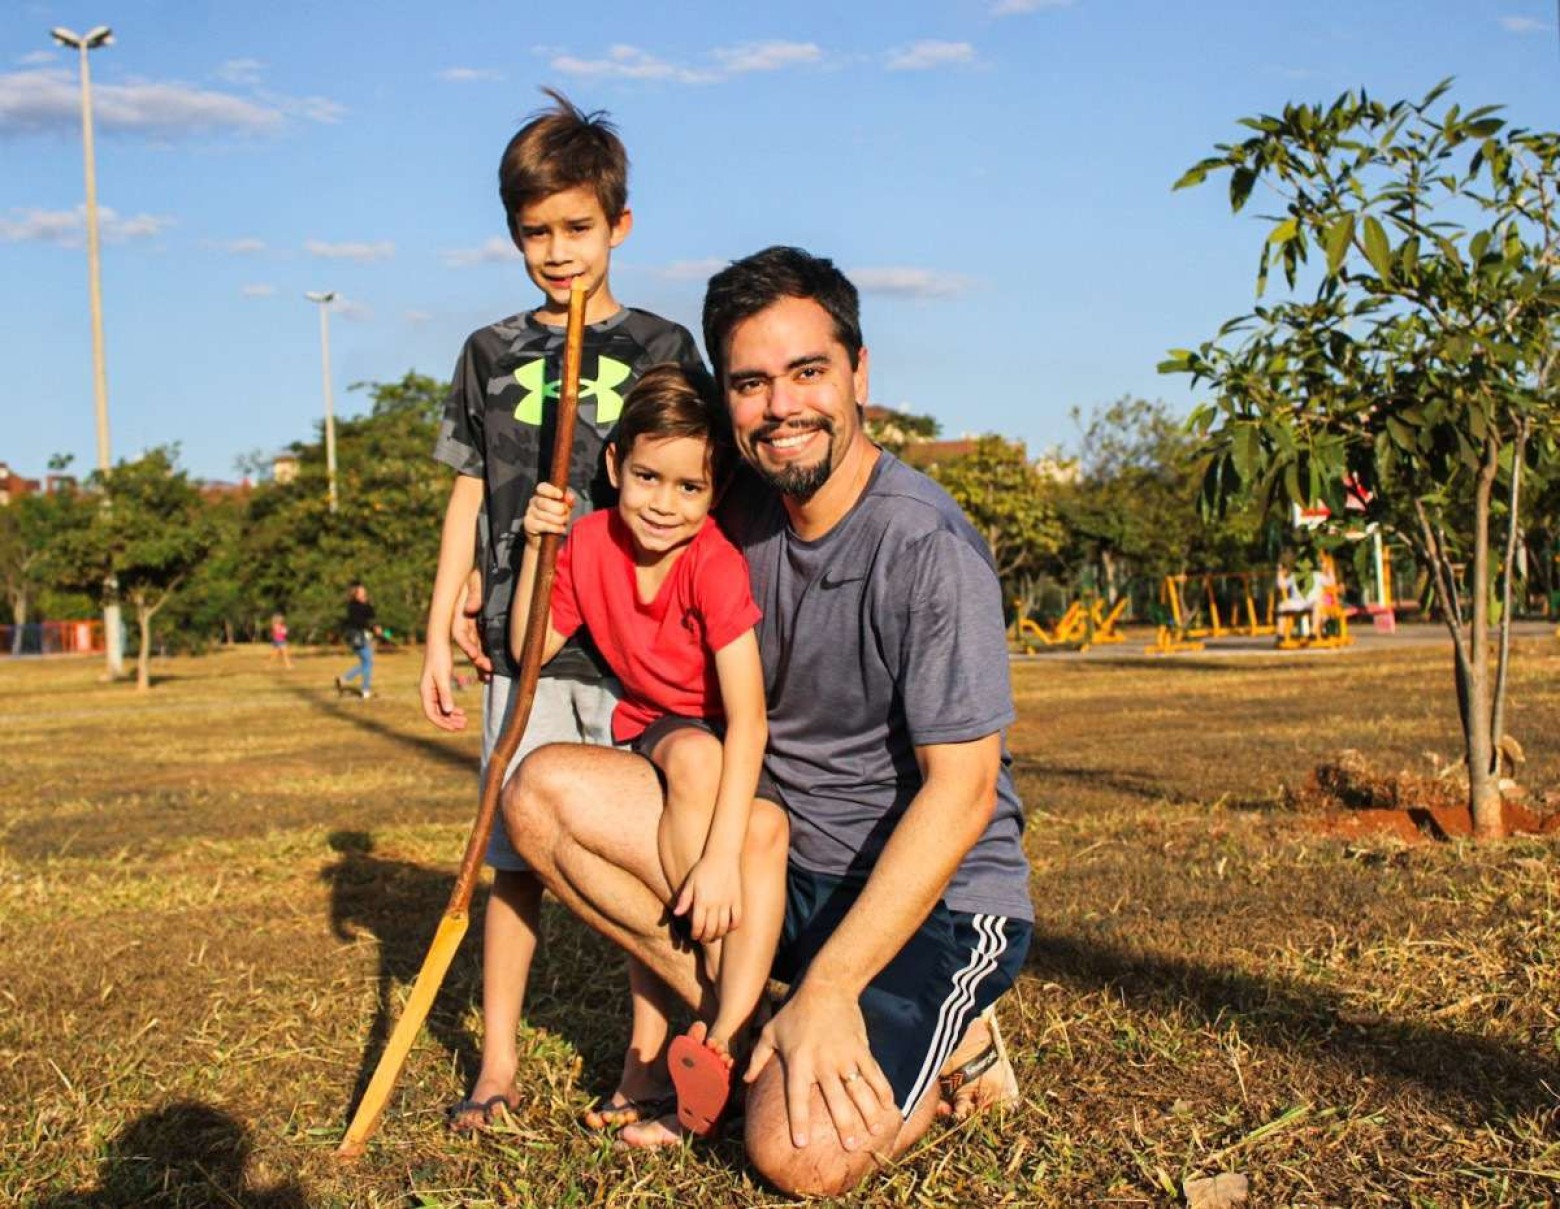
[793,395]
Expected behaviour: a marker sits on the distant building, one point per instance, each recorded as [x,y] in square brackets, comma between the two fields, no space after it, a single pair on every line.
[284,468]
[13,486]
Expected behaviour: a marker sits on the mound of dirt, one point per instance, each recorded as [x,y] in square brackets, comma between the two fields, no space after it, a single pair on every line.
[1345,796]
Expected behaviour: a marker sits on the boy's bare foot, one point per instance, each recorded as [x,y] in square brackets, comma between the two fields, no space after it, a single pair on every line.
[978,1076]
[489,1100]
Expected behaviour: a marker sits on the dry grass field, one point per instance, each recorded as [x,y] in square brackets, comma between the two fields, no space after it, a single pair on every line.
[213,898]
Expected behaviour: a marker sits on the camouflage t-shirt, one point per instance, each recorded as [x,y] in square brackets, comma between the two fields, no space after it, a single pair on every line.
[498,426]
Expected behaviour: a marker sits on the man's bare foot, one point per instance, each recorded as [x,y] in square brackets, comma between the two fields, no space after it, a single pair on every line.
[978,1076]
[643,1093]
[653,1134]
[489,1101]
[621,1109]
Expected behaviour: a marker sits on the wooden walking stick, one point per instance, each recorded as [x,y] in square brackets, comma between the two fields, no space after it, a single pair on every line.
[452,927]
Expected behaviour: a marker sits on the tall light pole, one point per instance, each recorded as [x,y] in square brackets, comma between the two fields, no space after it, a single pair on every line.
[324,300]
[113,639]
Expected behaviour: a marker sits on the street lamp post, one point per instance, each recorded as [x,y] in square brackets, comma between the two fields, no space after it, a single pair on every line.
[113,637]
[324,300]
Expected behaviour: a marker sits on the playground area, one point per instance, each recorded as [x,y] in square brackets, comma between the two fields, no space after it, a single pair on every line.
[213,900]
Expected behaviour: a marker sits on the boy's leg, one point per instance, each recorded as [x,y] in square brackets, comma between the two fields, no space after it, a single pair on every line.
[748,953]
[510,925]
[366,655]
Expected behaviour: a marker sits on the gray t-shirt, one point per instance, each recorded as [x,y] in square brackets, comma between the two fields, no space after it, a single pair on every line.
[883,635]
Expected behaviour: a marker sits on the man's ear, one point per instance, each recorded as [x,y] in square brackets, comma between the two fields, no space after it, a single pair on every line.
[860,378]
[612,464]
[621,228]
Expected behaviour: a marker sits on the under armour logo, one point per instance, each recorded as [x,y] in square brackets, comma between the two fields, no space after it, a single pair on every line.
[532,378]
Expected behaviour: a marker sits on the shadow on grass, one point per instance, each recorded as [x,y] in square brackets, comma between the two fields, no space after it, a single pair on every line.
[1472,1076]
[1125,781]
[400,905]
[354,711]
[184,1155]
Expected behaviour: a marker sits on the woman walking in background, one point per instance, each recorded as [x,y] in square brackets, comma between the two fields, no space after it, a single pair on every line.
[360,631]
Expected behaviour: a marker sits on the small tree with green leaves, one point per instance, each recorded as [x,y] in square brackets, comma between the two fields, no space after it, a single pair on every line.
[148,530]
[1413,360]
[1009,502]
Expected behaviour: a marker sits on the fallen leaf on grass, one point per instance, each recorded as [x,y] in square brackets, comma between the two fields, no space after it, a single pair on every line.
[1215,1192]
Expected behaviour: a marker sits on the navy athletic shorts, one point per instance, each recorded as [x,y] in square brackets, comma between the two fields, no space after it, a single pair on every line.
[918,1007]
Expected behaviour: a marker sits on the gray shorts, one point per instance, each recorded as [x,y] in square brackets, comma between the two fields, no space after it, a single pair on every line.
[564,711]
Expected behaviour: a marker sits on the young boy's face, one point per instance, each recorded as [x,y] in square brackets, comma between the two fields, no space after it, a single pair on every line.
[664,492]
[567,235]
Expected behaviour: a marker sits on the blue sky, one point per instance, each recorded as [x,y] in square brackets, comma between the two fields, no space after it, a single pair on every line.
[995,174]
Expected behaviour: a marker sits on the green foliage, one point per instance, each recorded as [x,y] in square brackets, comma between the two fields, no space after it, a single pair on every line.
[29,529]
[1413,359]
[145,532]
[300,559]
[1008,500]
[895,429]
[1130,508]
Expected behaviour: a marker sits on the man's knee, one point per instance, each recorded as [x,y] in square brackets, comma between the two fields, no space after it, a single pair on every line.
[822,1167]
[530,798]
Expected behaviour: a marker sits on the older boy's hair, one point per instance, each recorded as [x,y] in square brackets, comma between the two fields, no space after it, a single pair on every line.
[563,147]
[746,287]
[667,402]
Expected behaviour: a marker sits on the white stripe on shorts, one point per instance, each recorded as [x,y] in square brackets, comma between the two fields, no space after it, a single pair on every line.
[952,1016]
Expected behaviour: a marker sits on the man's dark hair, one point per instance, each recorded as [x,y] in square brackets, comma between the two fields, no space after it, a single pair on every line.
[669,402]
[745,287]
[563,147]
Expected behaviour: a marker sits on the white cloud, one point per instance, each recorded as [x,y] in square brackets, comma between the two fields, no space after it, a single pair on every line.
[905,282]
[1525,25]
[363,253]
[311,109]
[245,246]
[631,63]
[258,290]
[241,71]
[419,317]
[693,270]
[766,56]
[37,58]
[1008,8]
[469,75]
[926,54]
[351,311]
[494,251]
[49,99]
[68,228]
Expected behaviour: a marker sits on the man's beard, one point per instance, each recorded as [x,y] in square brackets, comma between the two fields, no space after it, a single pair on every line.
[799,482]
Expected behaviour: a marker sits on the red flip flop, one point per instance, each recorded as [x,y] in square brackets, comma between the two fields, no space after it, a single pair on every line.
[702,1077]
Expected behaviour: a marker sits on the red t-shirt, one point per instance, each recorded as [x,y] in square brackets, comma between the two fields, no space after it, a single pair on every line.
[662,652]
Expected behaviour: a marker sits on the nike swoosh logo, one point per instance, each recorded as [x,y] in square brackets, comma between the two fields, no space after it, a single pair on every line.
[827,582]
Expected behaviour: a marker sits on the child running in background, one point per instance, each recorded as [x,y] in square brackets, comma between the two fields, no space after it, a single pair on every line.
[279,641]
[667,600]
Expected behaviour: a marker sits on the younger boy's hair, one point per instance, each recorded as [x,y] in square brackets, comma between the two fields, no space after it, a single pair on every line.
[755,283]
[563,147]
[669,402]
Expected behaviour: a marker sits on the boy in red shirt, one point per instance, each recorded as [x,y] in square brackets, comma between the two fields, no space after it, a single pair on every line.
[667,600]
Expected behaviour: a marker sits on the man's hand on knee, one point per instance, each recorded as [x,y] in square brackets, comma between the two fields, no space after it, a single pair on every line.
[820,1039]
